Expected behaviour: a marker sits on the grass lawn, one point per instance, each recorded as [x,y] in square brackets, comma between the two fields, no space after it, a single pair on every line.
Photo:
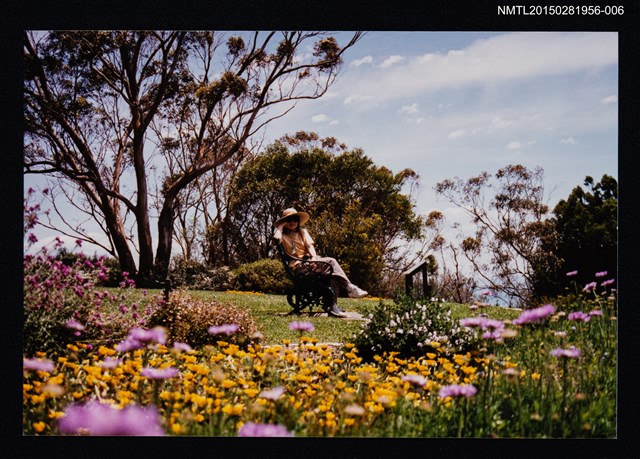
[270,313]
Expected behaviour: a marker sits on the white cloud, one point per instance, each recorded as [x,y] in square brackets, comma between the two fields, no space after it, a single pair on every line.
[320,118]
[391,60]
[409,109]
[500,123]
[568,141]
[364,60]
[613,99]
[517,145]
[492,61]
[357,99]
[334,122]
[457,133]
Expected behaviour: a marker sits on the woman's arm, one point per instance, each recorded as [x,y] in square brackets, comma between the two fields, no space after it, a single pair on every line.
[277,234]
[308,242]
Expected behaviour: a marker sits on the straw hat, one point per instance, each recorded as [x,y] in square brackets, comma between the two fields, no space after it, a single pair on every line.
[291,212]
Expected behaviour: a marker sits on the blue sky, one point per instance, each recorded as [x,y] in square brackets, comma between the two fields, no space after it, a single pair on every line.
[455,104]
[450,104]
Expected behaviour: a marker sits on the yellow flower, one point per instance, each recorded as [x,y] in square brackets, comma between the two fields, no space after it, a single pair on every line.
[227,384]
[349,422]
[176,428]
[102,350]
[535,376]
[39,426]
[233,410]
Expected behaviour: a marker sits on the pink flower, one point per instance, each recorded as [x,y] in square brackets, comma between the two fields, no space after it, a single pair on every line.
[572,273]
[38,365]
[225,329]
[301,326]
[252,429]
[601,274]
[415,379]
[571,353]
[455,390]
[160,373]
[74,325]
[590,286]
[272,394]
[579,316]
[535,315]
[95,418]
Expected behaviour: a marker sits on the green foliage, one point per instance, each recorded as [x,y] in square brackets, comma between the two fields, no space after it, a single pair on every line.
[360,215]
[411,329]
[587,227]
[56,293]
[267,276]
[191,274]
[187,320]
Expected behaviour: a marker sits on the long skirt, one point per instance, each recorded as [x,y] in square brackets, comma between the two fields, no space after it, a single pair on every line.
[338,275]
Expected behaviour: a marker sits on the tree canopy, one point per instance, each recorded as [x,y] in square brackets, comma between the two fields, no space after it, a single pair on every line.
[360,213]
[130,119]
[587,227]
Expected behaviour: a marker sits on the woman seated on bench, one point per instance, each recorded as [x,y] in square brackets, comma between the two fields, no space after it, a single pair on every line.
[298,243]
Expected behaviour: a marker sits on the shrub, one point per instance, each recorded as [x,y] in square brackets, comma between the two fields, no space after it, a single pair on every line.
[56,293]
[267,276]
[187,320]
[411,329]
[191,274]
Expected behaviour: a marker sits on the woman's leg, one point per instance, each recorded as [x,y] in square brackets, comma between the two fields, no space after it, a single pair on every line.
[352,290]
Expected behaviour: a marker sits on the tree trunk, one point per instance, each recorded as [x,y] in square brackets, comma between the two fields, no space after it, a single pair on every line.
[165,237]
[117,233]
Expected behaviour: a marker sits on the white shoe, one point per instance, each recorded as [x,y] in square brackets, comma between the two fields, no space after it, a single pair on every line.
[356,292]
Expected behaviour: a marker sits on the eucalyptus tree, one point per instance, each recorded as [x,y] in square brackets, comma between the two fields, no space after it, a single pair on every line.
[103,109]
[513,238]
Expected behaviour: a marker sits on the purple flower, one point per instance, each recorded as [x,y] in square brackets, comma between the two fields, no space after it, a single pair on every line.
[535,315]
[572,273]
[226,329]
[301,326]
[38,365]
[94,418]
[74,325]
[455,390]
[472,322]
[251,429]
[32,238]
[494,326]
[182,347]
[415,379]
[571,353]
[579,316]
[129,345]
[157,334]
[601,274]
[595,312]
[492,335]
[608,282]
[160,373]
[110,362]
[590,286]
[272,394]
